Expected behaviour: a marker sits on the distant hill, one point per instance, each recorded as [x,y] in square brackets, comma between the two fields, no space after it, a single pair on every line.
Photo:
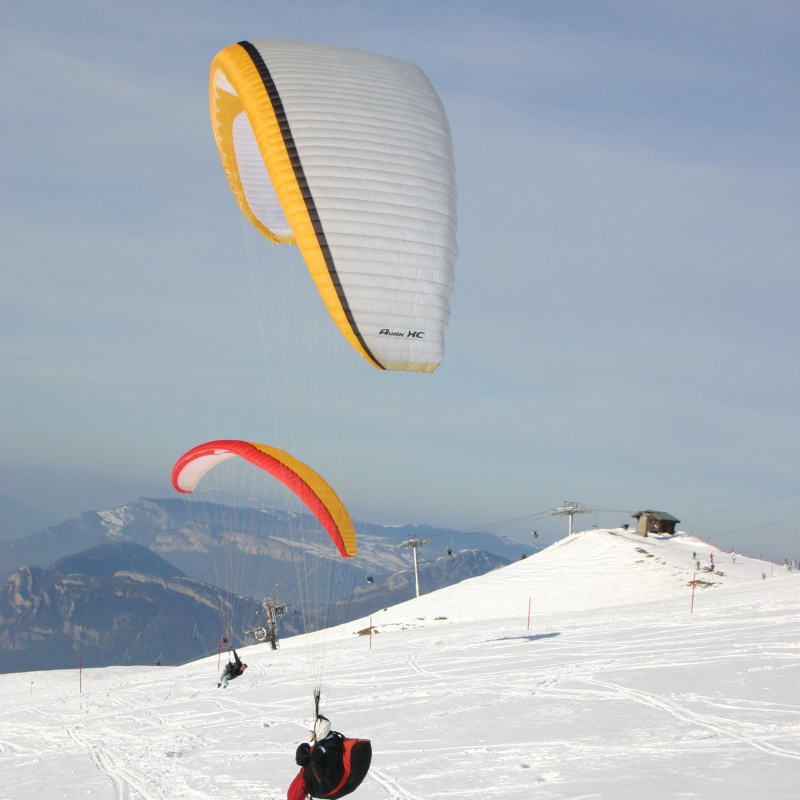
[105,560]
[50,544]
[119,602]
[102,606]
[50,618]
[18,519]
[243,550]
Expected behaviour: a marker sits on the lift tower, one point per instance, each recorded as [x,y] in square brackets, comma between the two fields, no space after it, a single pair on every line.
[570,509]
[272,610]
[415,542]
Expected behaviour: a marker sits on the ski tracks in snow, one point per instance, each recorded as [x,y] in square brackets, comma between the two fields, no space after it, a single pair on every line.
[414,664]
[721,725]
[124,787]
[392,788]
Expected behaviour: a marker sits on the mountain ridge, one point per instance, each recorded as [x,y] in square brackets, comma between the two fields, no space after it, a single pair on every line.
[18,519]
[193,537]
[50,619]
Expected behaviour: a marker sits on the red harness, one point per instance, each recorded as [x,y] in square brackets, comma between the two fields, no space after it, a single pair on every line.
[297,791]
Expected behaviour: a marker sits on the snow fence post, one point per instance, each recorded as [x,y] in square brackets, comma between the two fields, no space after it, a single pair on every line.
[691,609]
[529,613]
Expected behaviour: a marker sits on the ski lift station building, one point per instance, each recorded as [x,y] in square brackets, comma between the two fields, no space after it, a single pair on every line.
[654,522]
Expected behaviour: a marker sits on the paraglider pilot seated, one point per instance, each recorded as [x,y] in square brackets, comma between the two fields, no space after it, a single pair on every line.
[332,766]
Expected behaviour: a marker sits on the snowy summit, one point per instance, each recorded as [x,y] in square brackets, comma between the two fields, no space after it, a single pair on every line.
[613,689]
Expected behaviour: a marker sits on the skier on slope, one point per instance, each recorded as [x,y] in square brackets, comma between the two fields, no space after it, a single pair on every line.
[332,766]
[232,670]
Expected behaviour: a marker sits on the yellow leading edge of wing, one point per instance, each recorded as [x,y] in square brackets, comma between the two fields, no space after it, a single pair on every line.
[321,488]
[251,97]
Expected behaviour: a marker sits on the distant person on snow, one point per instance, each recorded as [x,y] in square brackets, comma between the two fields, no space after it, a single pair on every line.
[232,670]
[332,766]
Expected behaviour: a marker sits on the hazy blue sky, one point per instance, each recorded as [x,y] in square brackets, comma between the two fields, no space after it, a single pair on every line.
[625,321]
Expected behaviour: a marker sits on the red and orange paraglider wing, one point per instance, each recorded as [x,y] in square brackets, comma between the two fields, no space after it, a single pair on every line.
[310,487]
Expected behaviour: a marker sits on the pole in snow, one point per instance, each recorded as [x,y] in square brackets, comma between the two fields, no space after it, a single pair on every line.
[415,542]
[691,608]
[529,613]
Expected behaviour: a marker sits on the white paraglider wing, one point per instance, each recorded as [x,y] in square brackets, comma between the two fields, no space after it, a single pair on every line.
[359,155]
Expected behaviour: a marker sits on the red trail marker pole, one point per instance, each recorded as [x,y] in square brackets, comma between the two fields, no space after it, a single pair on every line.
[691,610]
[529,613]
[80,676]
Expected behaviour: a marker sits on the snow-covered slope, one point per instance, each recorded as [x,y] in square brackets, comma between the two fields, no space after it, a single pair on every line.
[588,570]
[616,691]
